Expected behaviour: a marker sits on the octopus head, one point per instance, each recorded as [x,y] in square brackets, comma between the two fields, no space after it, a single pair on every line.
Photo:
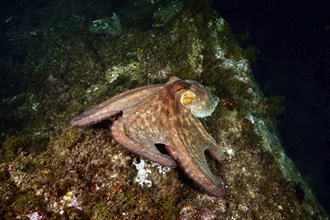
[198,100]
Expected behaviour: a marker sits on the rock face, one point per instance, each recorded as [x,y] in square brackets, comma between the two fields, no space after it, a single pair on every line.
[109,26]
[51,170]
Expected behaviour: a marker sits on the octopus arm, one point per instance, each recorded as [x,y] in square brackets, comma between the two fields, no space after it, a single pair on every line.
[122,103]
[213,149]
[188,149]
[139,145]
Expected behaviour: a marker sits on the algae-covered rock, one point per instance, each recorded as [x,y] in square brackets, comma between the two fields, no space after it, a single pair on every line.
[53,171]
[166,13]
[109,26]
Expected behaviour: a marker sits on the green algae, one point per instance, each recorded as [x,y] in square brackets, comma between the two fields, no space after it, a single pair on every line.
[164,14]
[70,138]
[14,144]
[101,211]
[26,201]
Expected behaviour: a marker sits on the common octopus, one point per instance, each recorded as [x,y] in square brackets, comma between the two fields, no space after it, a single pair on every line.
[164,114]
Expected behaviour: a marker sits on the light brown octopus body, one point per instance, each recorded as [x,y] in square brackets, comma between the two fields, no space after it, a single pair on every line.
[164,114]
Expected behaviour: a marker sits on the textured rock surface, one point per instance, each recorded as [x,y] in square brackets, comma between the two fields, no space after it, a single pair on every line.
[52,170]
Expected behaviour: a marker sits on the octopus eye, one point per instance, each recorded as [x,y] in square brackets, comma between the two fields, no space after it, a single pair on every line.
[187,97]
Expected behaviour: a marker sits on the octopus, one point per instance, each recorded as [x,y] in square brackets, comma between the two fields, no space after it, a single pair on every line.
[159,122]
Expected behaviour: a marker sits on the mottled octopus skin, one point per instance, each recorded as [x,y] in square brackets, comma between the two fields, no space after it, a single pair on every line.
[155,114]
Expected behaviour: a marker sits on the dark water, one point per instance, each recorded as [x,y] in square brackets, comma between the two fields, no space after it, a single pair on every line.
[293,39]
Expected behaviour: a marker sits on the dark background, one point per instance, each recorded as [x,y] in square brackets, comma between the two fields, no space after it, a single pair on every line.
[293,43]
